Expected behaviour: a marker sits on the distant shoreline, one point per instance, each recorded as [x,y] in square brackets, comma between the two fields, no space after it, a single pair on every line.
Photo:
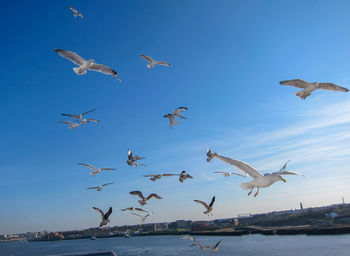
[268,231]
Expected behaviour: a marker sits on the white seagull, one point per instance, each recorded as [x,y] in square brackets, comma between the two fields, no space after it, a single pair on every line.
[144,200]
[228,174]
[96,170]
[172,120]
[209,207]
[259,180]
[99,188]
[105,217]
[143,218]
[76,13]
[153,62]
[81,118]
[85,65]
[308,88]
[176,112]
[72,125]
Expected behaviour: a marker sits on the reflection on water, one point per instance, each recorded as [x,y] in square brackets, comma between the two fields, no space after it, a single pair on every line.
[174,245]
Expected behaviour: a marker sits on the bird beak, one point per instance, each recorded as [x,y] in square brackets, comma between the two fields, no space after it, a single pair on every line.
[283,179]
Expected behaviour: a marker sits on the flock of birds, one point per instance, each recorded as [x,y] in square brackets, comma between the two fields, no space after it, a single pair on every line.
[258,180]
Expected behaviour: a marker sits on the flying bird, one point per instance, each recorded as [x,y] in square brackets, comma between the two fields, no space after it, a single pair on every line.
[85,65]
[96,170]
[214,248]
[189,237]
[155,177]
[143,218]
[134,209]
[72,125]
[209,207]
[79,117]
[99,188]
[308,88]
[153,62]
[176,112]
[227,174]
[105,217]
[144,200]
[132,159]
[184,176]
[259,180]
[76,13]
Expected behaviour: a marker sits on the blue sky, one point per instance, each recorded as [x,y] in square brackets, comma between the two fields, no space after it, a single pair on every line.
[227,60]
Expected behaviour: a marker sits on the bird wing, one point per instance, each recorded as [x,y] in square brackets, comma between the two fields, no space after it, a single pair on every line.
[103,69]
[202,203]
[212,201]
[238,174]
[242,166]
[150,175]
[92,188]
[138,193]
[296,83]
[107,169]
[66,122]
[153,195]
[108,213]
[140,210]
[71,8]
[288,173]
[90,166]
[129,208]
[130,157]
[72,56]
[179,110]
[70,115]
[217,244]
[163,63]
[147,58]
[137,215]
[100,211]
[107,184]
[92,120]
[189,237]
[220,172]
[169,174]
[88,112]
[284,166]
[332,87]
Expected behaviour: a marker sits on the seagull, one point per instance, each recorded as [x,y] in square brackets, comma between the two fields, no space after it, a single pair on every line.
[76,13]
[72,125]
[79,117]
[209,208]
[214,248]
[96,170]
[99,188]
[176,112]
[105,219]
[86,64]
[189,237]
[227,174]
[308,88]
[143,218]
[172,120]
[132,159]
[144,200]
[184,175]
[155,177]
[153,62]
[133,209]
[259,180]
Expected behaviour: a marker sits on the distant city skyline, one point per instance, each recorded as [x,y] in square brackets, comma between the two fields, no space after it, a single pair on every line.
[227,59]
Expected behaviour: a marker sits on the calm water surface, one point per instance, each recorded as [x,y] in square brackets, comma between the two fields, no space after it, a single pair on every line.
[254,245]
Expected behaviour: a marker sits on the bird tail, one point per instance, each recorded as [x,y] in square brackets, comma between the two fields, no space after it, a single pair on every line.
[246,185]
[302,95]
[77,71]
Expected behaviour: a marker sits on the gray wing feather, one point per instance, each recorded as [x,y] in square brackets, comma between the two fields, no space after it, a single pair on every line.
[299,83]
[332,87]
[103,69]
[72,56]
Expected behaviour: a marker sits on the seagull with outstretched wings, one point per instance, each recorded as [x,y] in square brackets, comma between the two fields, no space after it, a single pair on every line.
[308,88]
[75,12]
[153,62]
[99,188]
[143,199]
[85,65]
[105,217]
[209,207]
[96,170]
[71,124]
